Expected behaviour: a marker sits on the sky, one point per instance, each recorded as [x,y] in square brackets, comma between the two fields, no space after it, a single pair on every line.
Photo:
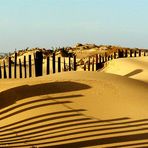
[58,23]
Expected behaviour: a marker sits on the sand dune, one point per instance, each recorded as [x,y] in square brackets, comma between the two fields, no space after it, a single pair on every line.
[78,109]
[136,68]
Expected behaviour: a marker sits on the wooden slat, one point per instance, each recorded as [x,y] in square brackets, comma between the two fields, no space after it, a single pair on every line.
[115,56]
[93,64]
[48,66]
[126,55]
[135,53]
[20,68]
[59,64]
[64,64]
[0,72]
[25,68]
[5,73]
[131,52]
[10,68]
[88,63]
[53,63]
[15,65]
[85,66]
[75,64]
[30,67]
[139,53]
[38,64]
[96,62]
[69,63]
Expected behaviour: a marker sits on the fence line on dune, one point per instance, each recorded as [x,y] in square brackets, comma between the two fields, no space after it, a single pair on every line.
[100,60]
[33,67]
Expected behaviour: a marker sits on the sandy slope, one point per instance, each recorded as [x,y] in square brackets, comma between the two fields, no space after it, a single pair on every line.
[136,68]
[76,109]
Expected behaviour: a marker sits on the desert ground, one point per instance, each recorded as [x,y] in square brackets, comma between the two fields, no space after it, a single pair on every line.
[103,109]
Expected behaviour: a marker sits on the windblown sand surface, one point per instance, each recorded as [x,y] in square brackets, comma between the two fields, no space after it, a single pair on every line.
[136,68]
[78,109]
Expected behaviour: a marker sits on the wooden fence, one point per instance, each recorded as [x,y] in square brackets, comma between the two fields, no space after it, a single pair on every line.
[36,65]
[94,63]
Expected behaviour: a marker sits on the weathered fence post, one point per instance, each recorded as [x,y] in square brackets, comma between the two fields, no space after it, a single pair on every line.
[38,64]
[25,69]
[69,63]
[53,63]
[0,72]
[64,64]
[126,53]
[100,58]
[15,65]
[9,66]
[96,62]
[48,66]
[85,66]
[5,73]
[144,53]
[105,57]
[135,53]
[59,64]
[20,68]
[115,55]
[131,52]
[139,53]
[30,68]
[120,53]
[88,63]
[75,63]
[111,56]
[93,64]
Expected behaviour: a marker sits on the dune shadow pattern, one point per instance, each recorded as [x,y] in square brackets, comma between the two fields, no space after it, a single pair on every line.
[12,95]
[69,128]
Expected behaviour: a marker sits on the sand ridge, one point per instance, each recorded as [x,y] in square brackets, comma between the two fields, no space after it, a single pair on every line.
[77,109]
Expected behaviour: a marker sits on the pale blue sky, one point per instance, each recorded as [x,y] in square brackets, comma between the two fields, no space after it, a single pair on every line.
[47,23]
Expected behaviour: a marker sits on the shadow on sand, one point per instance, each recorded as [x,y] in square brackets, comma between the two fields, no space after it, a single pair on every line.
[134,72]
[69,128]
[12,95]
